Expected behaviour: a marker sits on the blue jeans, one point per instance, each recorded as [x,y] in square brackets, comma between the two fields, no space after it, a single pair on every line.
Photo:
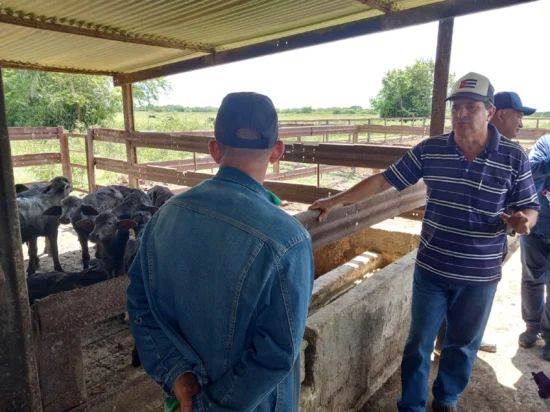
[535,309]
[467,309]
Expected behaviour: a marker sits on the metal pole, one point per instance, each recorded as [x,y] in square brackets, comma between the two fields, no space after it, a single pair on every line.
[441,76]
[19,388]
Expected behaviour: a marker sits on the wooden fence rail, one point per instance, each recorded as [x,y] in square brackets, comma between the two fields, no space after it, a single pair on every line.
[331,155]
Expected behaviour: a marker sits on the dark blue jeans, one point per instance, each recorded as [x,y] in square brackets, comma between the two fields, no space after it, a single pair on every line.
[535,309]
[467,309]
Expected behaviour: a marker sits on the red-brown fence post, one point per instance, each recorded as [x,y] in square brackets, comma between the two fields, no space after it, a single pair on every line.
[64,151]
[90,160]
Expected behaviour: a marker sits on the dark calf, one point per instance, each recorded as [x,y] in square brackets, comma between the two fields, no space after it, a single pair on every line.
[111,235]
[35,220]
[159,195]
[23,191]
[73,210]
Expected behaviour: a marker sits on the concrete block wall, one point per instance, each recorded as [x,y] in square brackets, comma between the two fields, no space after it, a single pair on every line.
[355,343]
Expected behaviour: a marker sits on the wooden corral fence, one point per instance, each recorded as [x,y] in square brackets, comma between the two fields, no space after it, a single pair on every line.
[58,320]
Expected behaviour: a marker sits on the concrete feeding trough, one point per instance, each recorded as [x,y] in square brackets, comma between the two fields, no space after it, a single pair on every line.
[359,317]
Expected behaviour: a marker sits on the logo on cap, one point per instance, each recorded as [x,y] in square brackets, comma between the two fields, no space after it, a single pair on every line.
[468,84]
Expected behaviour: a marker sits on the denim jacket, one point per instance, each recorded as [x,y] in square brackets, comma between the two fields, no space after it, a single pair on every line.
[220,288]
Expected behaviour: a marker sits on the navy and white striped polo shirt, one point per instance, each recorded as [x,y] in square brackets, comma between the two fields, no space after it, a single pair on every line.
[462,235]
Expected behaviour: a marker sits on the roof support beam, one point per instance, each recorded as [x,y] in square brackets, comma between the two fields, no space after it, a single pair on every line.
[441,76]
[18,371]
[395,20]
[384,7]
[103,33]
[7,64]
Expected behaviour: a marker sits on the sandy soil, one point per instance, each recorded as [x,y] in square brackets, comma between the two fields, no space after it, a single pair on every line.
[500,382]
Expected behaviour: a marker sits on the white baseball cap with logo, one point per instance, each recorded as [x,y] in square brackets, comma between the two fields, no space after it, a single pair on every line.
[473,86]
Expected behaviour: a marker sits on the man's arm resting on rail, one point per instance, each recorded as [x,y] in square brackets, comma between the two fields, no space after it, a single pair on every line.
[282,314]
[405,172]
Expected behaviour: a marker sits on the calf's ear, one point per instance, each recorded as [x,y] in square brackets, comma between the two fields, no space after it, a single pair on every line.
[126,224]
[86,224]
[53,211]
[89,210]
[19,188]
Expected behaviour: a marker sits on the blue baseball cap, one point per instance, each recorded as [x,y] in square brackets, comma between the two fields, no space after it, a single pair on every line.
[511,100]
[247,120]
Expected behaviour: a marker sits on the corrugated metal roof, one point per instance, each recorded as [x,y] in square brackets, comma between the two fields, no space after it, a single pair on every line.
[201,25]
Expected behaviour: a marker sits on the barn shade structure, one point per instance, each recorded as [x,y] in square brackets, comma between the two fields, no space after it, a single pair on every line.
[133,41]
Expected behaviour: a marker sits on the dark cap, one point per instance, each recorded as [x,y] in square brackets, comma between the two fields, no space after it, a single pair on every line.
[473,86]
[511,100]
[247,120]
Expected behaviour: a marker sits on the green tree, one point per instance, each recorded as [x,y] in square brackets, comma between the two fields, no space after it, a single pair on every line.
[407,92]
[73,101]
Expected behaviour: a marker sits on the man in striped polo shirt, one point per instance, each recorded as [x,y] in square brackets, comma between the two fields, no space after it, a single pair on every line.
[477,182]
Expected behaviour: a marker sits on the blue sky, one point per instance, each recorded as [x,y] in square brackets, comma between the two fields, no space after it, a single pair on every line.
[509,45]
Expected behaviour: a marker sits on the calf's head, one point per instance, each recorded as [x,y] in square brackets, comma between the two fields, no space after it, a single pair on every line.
[70,206]
[105,227]
[59,185]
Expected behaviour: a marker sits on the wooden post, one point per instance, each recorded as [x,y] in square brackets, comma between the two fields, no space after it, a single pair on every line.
[129,126]
[441,77]
[319,175]
[400,132]
[90,160]
[276,168]
[19,387]
[385,134]
[368,134]
[65,156]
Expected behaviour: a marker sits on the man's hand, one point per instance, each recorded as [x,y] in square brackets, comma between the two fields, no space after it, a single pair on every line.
[185,388]
[325,205]
[518,221]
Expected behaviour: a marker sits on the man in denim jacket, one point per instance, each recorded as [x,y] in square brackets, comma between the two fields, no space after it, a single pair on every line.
[219,291]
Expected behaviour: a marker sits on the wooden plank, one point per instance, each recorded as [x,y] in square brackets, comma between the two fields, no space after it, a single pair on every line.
[19,137]
[181,142]
[111,165]
[346,220]
[362,155]
[36,159]
[78,166]
[78,189]
[110,135]
[74,309]
[64,152]
[304,172]
[90,161]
